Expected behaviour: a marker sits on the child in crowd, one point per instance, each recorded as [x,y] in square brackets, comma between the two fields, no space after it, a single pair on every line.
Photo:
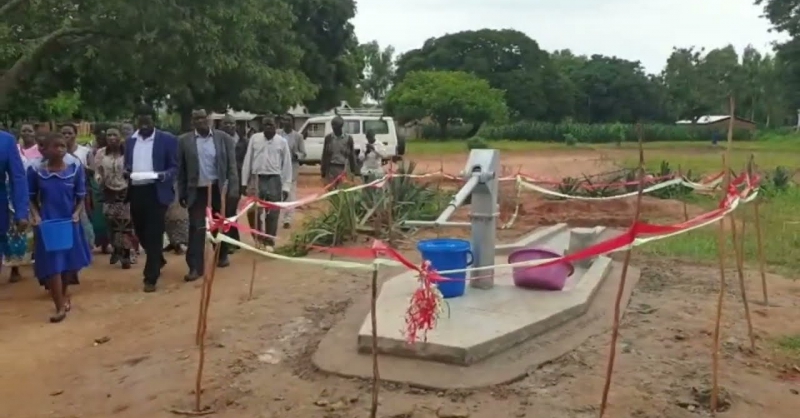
[58,190]
[371,160]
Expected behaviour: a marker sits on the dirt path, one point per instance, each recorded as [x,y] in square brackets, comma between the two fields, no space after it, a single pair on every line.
[123,353]
[259,352]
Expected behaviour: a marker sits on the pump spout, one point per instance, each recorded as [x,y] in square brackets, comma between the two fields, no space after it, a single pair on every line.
[458,199]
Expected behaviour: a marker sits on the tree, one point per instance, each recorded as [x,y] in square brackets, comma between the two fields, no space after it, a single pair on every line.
[260,55]
[378,70]
[613,89]
[685,84]
[508,59]
[330,57]
[785,17]
[446,97]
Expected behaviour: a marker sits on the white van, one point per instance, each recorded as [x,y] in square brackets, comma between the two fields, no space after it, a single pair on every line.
[356,123]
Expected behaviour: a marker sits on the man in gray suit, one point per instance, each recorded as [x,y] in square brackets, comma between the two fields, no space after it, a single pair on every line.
[207,162]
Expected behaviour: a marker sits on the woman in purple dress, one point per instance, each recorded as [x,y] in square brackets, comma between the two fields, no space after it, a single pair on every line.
[58,190]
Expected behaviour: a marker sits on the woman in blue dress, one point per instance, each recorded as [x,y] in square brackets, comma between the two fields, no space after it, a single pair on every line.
[58,191]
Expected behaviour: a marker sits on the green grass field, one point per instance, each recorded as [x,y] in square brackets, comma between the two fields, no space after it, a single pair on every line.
[779,213]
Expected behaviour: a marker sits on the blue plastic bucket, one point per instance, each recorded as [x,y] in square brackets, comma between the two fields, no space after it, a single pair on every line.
[57,234]
[448,254]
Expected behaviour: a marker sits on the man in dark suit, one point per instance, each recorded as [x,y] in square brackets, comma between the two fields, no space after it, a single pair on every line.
[207,162]
[151,161]
[240,139]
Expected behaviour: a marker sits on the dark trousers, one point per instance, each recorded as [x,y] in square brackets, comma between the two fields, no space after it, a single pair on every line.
[148,214]
[195,254]
[270,188]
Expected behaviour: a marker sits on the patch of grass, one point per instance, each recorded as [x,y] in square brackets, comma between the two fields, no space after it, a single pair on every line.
[710,163]
[789,343]
[780,234]
[427,147]
[700,154]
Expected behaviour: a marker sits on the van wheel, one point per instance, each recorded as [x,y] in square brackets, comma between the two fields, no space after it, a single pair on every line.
[401,146]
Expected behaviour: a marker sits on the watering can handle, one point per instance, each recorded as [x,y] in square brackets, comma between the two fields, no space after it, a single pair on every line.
[471,258]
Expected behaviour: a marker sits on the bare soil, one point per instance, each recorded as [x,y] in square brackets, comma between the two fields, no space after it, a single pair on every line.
[123,353]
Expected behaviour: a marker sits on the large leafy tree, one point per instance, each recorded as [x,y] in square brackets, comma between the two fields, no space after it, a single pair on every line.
[785,16]
[260,55]
[446,97]
[613,89]
[331,58]
[508,59]
[378,70]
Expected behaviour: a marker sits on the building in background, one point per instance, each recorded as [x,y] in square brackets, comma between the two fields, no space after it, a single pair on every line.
[719,123]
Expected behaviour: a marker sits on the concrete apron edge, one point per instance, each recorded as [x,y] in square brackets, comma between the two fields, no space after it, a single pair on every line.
[338,354]
[468,355]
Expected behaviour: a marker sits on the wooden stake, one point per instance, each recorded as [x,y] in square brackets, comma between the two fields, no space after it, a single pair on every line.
[759,240]
[740,272]
[718,319]
[203,287]
[736,249]
[721,257]
[252,280]
[621,289]
[209,283]
[685,210]
[376,375]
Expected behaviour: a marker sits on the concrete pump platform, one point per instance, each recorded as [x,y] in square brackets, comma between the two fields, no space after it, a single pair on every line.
[490,336]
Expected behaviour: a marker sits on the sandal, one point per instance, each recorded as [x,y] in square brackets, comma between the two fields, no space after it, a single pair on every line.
[58,317]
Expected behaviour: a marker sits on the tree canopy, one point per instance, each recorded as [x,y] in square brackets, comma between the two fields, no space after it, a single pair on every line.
[785,16]
[561,85]
[378,70]
[446,97]
[97,59]
[260,55]
[508,59]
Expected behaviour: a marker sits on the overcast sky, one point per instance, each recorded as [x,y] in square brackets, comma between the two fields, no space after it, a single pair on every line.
[643,30]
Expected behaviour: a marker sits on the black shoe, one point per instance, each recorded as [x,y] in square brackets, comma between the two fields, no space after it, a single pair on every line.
[126,264]
[169,247]
[223,262]
[149,287]
[192,276]
[114,259]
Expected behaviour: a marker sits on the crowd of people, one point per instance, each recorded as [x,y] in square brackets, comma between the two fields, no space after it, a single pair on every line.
[135,184]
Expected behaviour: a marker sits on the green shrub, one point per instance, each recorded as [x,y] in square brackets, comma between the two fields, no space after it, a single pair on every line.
[570,140]
[377,212]
[599,133]
[453,132]
[477,142]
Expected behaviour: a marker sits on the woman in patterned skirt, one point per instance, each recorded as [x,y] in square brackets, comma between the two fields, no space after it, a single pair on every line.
[18,250]
[109,169]
[177,226]
[96,215]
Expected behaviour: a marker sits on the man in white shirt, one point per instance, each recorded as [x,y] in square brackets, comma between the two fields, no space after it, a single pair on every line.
[297,147]
[267,173]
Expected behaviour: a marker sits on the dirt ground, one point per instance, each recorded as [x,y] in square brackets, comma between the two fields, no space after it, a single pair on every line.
[124,353]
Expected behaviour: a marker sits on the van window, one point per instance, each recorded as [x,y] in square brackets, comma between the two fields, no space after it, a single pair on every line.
[380,127]
[352,127]
[315,130]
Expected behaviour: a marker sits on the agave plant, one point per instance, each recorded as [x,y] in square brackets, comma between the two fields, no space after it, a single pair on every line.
[606,186]
[379,212]
[569,186]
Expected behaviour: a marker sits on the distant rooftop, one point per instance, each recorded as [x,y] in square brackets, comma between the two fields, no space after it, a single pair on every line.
[708,119]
